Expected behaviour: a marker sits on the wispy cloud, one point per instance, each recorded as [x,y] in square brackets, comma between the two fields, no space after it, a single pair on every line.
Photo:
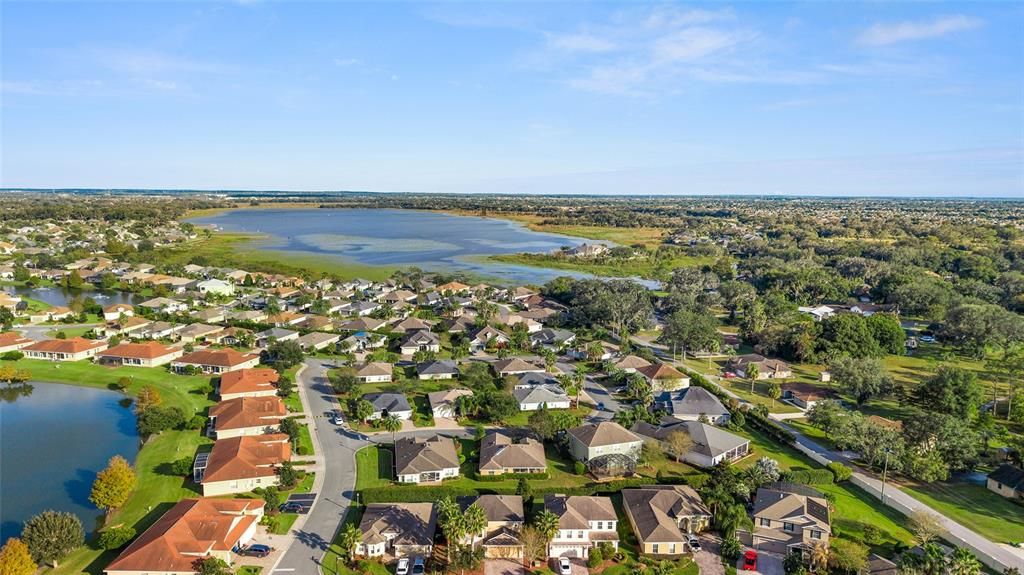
[885,34]
[581,42]
[346,62]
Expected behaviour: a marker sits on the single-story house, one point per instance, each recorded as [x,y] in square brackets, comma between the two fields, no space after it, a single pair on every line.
[148,354]
[692,404]
[268,336]
[437,369]
[766,368]
[663,377]
[374,372]
[397,530]
[419,340]
[445,403]
[487,335]
[70,349]
[252,382]
[315,341]
[805,395]
[425,460]
[191,529]
[711,445]
[197,331]
[515,366]
[115,311]
[593,440]
[534,397]
[241,464]
[631,363]
[246,416]
[501,453]
[216,360]
[13,341]
[551,338]
[215,286]
[386,404]
[1007,481]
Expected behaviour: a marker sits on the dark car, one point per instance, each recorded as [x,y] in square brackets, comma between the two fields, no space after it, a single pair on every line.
[294,507]
[600,406]
[256,550]
[750,560]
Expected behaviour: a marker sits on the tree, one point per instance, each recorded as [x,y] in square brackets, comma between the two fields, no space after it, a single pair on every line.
[15,558]
[290,427]
[115,537]
[540,422]
[113,485]
[211,566]
[963,562]
[848,334]
[51,535]
[679,444]
[753,372]
[774,392]
[475,520]
[534,543]
[451,520]
[287,474]
[393,424]
[343,380]
[523,488]
[640,389]
[547,523]
[847,557]
[729,518]
[349,540]
[764,470]
[888,333]
[466,557]
[148,397]
[362,410]
[692,330]
[154,420]
[925,526]
[283,354]
[953,391]
[863,378]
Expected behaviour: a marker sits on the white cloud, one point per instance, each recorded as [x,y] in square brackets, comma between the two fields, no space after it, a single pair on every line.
[691,44]
[346,62]
[582,42]
[674,17]
[885,34]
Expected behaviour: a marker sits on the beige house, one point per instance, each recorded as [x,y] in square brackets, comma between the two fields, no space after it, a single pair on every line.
[505,518]
[13,341]
[70,349]
[425,460]
[592,440]
[663,517]
[583,522]
[790,517]
[252,382]
[246,416]
[1007,481]
[374,372]
[766,368]
[241,464]
[115,311]
[500,453]
[190,530]
[663,377]
[444,403]
[215,361]
[397,530]
[148,354]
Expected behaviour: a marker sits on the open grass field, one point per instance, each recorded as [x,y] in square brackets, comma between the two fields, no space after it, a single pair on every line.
[975,507]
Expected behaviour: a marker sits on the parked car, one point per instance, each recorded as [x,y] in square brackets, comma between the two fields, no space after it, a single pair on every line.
[403,566]
[294,507]
[417,566]
[337,419]
[564,567]
[256,550]
[750,560]
[694,544]
[729,375]
[600,406]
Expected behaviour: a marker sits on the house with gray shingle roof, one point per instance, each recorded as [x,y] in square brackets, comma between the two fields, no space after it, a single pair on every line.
[711,445]
[533,397]
[500,453]
[425,460]
[385,404]
[397,529]
[691,403]
[1007,481]
[663,517]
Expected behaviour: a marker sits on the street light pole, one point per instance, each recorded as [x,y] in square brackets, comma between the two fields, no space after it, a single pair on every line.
[885,469]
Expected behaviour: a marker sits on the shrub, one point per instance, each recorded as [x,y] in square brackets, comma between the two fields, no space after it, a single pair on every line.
[809,476]
[115,537]
[197,422]
[303,450]
[730,570]
[182,466]
[839,471]
[872,534]
[579,468]
[12,356]
[730,550]
[595,558]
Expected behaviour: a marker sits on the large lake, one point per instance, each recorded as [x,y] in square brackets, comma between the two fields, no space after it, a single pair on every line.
[53,441]
[401,238]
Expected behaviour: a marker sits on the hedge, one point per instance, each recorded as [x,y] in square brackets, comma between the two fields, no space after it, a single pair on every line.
[409,494]
[769,427]
[809,476]
[503,477]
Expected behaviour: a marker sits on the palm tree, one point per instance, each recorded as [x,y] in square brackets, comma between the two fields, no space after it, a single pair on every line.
[475,520]
[350,537]
[818,556]
[752,373]
[730,518]
[449,516]
[963,562]
[393,424]
[547,523]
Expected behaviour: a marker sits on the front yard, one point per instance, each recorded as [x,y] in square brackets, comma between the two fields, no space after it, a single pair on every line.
[974,507]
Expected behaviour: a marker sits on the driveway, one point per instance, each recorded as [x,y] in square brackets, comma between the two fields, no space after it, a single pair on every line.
[579,566]
[708,560]
[503,567]
[767,564]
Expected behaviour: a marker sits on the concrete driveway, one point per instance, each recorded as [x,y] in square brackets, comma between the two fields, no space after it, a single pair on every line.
[579,566]
[503,567]
[767,564]
[708,559]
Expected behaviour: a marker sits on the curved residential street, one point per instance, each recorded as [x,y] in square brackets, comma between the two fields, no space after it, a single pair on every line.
[336,475]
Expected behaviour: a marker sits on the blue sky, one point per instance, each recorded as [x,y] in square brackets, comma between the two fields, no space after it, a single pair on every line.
[827,98]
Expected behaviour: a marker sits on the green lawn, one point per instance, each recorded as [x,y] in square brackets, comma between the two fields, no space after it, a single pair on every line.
[975,507]
[522,418]
[305,441]
[249,570]
[685,566]
[69,331]
[741,387]
[294,403]
[373,468]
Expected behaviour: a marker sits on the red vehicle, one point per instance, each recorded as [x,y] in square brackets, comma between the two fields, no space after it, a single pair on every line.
[728,375]
[750,560]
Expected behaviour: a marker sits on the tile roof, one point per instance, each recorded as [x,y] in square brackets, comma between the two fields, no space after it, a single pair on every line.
[248,380]
[69,345]
[243,412]
[147,350]
[247,457]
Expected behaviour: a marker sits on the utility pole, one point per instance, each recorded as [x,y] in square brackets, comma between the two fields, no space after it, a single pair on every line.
[885,469]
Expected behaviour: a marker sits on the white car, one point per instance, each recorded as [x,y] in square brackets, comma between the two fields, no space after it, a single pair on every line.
[337,420]
[564,567]
[403,567]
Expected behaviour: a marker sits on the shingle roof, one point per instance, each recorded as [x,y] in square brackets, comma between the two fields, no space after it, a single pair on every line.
[375,368]
[603,433]
[1008,475]
[656,510]
[420,455]
[576,511]
[707,439]
[691,401]
[792,503]
[540,394]
[388,401]
[436,367]
[411,523]
[498,450]
[508,508]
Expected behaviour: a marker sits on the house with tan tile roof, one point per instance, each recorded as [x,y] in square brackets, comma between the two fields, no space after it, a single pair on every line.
[515,366]
[70,349]
[216,360]
[246,416]
[241,464]
[191,529]
[115,311]
[148,354]
[250,382]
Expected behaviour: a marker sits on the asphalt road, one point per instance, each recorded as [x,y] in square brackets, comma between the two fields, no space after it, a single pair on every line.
[338,448]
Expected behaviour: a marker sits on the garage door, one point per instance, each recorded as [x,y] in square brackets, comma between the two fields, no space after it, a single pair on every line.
[571,552]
